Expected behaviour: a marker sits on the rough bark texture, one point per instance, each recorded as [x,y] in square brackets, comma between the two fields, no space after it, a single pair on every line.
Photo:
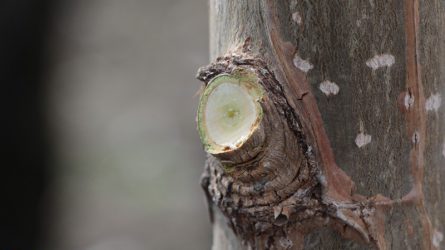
[354,93]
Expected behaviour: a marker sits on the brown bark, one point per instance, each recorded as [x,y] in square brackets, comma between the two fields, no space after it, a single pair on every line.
[351,150]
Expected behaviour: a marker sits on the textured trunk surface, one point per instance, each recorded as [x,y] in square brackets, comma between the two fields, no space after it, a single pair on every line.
[376,72]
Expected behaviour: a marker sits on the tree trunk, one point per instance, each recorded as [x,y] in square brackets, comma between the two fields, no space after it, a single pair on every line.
[347,150]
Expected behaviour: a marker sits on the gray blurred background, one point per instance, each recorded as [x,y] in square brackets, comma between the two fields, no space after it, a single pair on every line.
[122,110]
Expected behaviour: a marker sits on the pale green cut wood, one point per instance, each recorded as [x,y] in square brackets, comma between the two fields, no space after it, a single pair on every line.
[229,112]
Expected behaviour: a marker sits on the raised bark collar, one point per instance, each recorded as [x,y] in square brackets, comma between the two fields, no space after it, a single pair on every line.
[267,178]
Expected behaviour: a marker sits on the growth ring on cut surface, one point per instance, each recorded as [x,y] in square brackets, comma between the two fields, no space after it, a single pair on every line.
[229,112]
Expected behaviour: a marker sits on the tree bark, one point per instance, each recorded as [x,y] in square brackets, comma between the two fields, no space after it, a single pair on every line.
[353,154]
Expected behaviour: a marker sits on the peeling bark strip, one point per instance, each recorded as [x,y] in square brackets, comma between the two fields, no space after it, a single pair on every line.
[416,118]
[278,185]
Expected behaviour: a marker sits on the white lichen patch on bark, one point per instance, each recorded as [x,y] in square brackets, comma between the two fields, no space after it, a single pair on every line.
[379,61]
[433,102]
[437,238]
[362,139]
[409,100]
[329,88]
[415,138]
[296,17]
[302,64]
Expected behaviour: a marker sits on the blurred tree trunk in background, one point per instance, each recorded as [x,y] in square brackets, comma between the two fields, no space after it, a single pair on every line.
[377,71]
[25,140]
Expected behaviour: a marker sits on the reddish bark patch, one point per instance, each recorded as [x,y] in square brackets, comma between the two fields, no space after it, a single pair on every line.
[416,119]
